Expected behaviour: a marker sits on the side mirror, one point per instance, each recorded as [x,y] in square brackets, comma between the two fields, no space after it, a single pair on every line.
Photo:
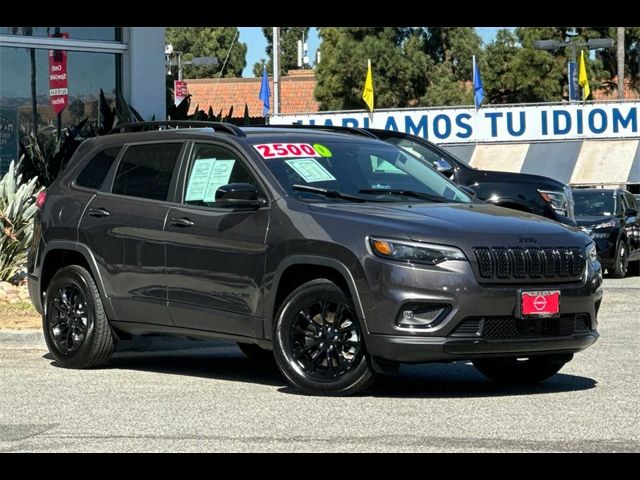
[238,195]
[444,167]
[630,212]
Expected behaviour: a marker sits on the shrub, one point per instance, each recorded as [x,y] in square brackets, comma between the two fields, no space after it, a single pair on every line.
[17,209]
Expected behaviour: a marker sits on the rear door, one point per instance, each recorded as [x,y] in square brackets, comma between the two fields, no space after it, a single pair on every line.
[215,256]
[123,225]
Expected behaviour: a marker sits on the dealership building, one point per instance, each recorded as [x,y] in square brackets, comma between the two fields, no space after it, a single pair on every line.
[35,77]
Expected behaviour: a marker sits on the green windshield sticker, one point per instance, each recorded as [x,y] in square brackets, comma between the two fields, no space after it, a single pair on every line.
[322,150]
[310,170]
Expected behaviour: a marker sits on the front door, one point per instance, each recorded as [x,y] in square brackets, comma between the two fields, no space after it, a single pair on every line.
[215,256]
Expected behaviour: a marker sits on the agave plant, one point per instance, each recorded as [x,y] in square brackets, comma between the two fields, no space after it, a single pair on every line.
[17,209]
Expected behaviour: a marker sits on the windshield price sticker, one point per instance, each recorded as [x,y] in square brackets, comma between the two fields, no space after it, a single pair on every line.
[286,150]
[310,170]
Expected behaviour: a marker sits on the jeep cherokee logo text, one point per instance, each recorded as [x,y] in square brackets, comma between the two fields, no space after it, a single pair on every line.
[527,240]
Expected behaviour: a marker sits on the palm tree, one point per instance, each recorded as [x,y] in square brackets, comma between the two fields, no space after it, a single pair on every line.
[620,55]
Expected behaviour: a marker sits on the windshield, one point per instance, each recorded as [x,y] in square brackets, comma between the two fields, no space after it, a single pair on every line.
[594,203]
[351,169]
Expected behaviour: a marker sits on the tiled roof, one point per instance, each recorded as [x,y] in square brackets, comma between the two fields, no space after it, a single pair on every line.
[296,94]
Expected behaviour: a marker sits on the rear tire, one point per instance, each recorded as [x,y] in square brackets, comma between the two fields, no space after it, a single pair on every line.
[254,352]
[621,263]
[521,372]
[75,325]
[318,341]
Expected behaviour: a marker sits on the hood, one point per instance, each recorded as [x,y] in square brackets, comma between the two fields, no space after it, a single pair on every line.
[458,224]
[592,220]
[543,183]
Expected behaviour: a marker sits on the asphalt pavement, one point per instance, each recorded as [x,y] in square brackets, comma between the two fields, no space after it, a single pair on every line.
[215,400]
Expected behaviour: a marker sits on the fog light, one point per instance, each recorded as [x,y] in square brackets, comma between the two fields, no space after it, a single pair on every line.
[421,316]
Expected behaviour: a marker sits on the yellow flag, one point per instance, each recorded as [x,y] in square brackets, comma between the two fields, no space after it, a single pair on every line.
[367,94]
[582,78]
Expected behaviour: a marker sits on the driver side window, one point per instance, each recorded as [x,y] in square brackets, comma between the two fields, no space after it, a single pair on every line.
[211,167]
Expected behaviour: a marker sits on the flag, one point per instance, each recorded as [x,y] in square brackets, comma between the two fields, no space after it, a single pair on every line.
[265,93]
[478,89]
[582,78]
[367,94]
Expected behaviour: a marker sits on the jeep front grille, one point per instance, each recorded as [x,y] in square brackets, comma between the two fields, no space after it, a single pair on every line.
[505,328]
[500,263]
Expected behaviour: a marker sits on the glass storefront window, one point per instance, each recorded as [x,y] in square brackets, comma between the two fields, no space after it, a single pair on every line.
[111,34]
[87,73]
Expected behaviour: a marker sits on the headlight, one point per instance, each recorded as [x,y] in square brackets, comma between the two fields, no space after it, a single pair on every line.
[592,254]
[557,200]
[413,252]
[609,224]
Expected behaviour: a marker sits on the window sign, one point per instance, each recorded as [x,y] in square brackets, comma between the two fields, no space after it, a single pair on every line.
[219,176]
[207,175]
[310,170]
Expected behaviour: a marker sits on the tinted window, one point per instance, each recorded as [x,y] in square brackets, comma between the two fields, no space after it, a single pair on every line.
[418,149]
[93,173]
[597,203]
[631,202]
[145,171]
[211,167]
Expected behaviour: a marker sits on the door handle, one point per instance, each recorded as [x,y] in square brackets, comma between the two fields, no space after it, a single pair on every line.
[181,222]
[99,212]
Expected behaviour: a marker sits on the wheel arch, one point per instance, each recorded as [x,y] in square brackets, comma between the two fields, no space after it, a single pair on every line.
[59,254]
[298,269]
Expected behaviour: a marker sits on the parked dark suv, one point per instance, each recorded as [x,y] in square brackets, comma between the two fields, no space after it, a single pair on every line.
[520,191]
[343,254]
[610,217]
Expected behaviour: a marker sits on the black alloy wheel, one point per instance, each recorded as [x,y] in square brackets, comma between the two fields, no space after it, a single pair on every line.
[318,342]
[325,341]
[70,320]
[621,264]
[76,328]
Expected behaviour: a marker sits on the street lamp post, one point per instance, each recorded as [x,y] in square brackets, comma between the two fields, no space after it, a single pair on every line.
[591,44]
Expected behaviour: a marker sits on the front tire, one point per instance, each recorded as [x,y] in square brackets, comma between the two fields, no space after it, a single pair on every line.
[318,341]
[75,325]
[621,264]
[517,371]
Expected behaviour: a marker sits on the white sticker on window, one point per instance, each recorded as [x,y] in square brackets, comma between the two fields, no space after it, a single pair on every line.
[219,176]
[207,175]
[199,179]
[310,170]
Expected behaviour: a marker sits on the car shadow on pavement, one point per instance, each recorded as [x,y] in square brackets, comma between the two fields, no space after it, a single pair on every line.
[219,362]
[459,380]
[224,361]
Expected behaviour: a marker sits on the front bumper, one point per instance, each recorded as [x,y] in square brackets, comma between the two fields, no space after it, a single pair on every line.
[454,285]
[405,349]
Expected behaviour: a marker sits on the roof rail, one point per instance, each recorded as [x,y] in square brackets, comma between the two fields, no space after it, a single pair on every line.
[331,128]
[216,126]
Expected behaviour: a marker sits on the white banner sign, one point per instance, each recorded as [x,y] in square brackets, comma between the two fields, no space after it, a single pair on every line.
[491,124]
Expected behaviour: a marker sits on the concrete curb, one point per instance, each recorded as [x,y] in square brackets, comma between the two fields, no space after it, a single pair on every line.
[34,339]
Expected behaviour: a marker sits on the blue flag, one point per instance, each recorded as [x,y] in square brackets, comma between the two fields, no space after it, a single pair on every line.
[478,89]
[265,93]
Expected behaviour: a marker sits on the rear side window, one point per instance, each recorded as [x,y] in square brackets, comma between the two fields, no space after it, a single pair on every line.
[93,174]
[145,171]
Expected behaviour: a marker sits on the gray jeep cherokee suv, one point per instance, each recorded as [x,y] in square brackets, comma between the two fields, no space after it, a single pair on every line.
[343,254]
